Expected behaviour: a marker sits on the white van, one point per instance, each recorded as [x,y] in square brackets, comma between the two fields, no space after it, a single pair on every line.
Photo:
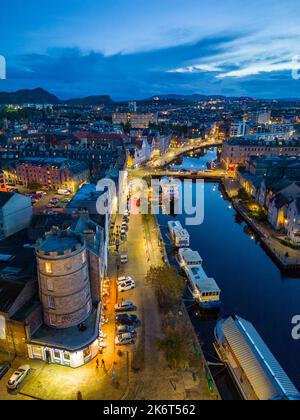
[63,192]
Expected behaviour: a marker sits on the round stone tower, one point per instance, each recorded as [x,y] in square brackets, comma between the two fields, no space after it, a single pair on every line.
[63,279]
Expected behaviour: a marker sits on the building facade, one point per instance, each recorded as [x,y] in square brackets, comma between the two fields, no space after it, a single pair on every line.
[237,152]
[64,283]
[52,173]
[140,121]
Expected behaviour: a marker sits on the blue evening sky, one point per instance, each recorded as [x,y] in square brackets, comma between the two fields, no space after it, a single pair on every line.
[139,48]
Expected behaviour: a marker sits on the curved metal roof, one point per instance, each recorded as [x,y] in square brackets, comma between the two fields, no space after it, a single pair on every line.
[266,376]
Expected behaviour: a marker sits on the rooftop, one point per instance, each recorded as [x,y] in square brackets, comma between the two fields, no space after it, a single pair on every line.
[71,339]
[266,376]
[59,162]
[264,143]
[16,269]
[59,242]
[189,255]
[204,283]
[5,197]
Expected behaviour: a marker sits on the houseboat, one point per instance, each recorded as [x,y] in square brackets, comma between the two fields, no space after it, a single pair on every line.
[189,258]
[256,372]
[179,236]
[205,290]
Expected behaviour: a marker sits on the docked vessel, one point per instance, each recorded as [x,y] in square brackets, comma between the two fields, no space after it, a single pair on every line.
[179,236]
[205,290]
[256,372]
[189,258]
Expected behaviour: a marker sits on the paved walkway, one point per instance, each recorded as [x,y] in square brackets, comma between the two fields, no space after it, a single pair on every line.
[53,382]
[152,379]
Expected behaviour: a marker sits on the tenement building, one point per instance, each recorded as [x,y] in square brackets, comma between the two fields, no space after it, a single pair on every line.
[237,152]
[52,173]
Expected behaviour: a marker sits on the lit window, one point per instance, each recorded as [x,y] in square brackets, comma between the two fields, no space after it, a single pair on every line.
[48,267]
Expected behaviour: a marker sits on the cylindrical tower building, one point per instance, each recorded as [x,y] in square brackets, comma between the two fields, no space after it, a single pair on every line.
[63,279]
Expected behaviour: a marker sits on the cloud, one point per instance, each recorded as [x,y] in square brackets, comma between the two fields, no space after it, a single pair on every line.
[197,68]
[232,64]
[265,67]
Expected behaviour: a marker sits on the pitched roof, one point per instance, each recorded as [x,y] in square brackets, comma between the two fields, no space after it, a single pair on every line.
[5,197]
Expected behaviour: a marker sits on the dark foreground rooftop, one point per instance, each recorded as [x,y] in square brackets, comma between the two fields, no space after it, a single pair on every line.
[70,339]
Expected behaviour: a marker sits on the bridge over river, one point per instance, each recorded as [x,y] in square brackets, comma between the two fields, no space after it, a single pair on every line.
[173,154]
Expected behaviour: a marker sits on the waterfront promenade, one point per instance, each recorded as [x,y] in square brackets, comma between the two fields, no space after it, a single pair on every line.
[150,376]
[287,258]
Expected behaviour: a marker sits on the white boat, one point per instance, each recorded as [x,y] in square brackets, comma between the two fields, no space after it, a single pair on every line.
[204,289]
[256,372]
[189,258]
[179,236]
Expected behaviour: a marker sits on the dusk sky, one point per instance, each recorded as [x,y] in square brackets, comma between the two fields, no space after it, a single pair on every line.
[135,49]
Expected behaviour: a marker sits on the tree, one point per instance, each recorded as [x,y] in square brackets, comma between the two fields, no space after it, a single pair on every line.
[34,186]
[174,347]
[242,195]
[168,285]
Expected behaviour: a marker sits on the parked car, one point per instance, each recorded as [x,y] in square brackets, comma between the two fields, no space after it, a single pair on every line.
[124,339]
[63,192]
[18,377]
[127,319]
[126,329]
[4,368]
[125,306]
[126,285]
[123,279]
[124,258]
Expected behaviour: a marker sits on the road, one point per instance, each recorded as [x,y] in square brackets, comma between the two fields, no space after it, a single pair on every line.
[153,379]
[173,154]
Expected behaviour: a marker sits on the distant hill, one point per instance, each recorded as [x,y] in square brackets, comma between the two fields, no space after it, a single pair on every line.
[193,97]
[26,96]
[90,100]
[41,96]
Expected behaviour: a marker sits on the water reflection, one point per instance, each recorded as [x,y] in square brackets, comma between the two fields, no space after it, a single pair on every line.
[252,285]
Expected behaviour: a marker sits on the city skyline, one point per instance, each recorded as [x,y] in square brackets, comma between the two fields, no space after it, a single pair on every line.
[130,51]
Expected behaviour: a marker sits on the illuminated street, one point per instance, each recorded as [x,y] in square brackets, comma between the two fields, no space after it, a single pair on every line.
[149,203]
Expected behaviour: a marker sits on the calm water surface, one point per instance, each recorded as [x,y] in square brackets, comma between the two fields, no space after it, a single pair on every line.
[252,285]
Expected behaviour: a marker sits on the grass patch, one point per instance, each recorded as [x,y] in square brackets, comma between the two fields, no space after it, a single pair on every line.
[290,244]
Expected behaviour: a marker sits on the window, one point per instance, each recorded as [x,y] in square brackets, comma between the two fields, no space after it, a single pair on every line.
[51,302]
[50,285]
[86,353]
[48,267]
[53,319]
[57,354]
[37,352]
[67,357]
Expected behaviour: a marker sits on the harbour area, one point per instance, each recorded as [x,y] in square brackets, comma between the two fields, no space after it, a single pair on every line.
[227,245]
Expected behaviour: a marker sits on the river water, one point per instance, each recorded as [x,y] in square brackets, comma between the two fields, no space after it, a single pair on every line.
[252,285]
